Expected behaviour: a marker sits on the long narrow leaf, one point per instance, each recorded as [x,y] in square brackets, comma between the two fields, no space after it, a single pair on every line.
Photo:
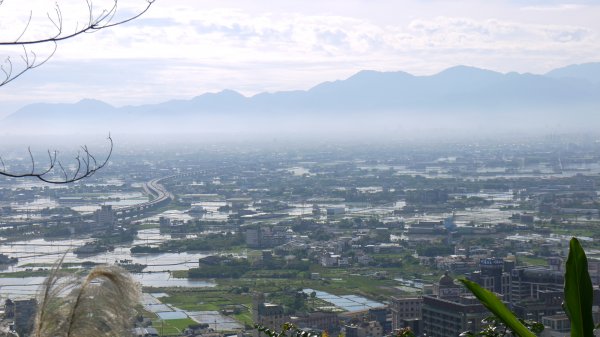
[493,304]
[578,292]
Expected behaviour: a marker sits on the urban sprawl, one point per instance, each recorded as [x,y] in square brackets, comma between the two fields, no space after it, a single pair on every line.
[352,239]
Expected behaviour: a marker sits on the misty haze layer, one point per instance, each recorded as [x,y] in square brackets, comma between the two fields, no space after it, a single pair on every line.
[459,99]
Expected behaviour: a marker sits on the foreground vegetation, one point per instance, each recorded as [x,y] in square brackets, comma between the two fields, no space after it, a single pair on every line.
[578,295]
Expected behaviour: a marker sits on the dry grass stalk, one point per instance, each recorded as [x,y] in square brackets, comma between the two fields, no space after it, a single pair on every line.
[101,304]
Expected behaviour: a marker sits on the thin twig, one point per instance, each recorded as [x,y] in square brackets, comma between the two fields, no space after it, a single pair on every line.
[89,167]
[26,26]
[94,25]
[103,20]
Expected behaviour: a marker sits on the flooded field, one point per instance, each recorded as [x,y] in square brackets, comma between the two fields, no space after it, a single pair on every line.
[219,322]
[28,287]
[41,254]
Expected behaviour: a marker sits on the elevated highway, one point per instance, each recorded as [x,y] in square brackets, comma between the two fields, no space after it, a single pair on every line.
[160,197]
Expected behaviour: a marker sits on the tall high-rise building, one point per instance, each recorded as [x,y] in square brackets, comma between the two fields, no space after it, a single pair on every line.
[105,216]
[492,269]
[448,312]
[493,276]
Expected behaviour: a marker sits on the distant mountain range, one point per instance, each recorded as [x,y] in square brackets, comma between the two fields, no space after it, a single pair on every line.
[458,95]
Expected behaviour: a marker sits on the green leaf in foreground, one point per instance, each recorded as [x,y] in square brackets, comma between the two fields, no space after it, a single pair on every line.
[493,304]
[578,292]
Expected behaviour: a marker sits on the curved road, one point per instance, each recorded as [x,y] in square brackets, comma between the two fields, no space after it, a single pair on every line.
[157,190]
[153,187]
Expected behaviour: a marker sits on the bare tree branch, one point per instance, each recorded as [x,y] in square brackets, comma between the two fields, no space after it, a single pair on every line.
[85,167]
[102,21]
[29,63]
[10,70]
[29,59]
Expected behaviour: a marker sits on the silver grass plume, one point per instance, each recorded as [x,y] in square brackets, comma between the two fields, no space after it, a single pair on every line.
[99,304]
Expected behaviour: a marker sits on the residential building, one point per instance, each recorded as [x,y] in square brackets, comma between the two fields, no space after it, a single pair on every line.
[404,308]
[267,314]
[545,303]
[493,277]
[364,329]
[105,216]
[23,314]
[448,312]
[528,282]
[265,237]
[329,260]
[381,315]
[333,211]
[327,321]
[145,332]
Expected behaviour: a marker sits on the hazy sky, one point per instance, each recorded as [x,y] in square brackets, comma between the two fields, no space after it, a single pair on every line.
[182,48]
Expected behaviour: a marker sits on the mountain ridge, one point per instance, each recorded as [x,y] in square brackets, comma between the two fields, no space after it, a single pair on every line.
[460,92]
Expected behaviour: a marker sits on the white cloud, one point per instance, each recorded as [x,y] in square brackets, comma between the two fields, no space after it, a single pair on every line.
[552,8]
[182,47]
[496,35]
[234,37]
